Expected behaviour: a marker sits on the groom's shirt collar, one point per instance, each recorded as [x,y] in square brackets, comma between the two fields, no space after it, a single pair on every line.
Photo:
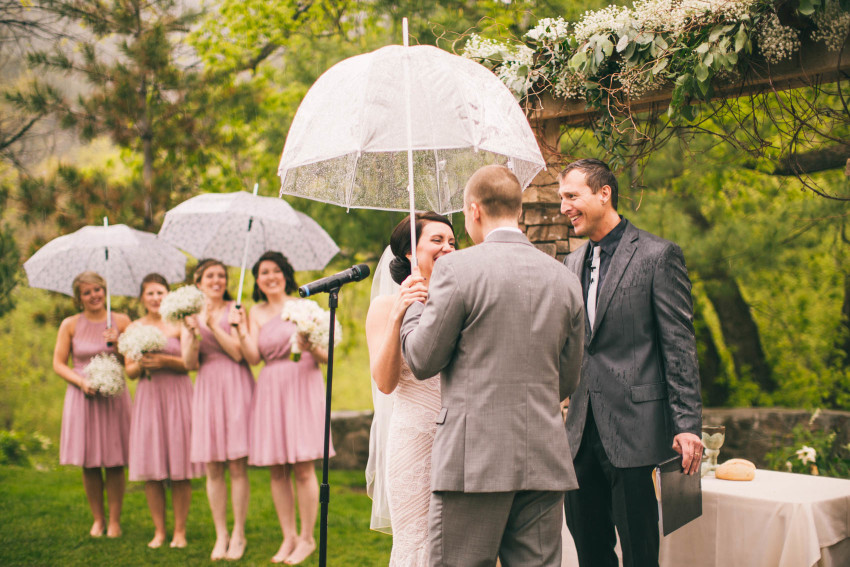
[507,228]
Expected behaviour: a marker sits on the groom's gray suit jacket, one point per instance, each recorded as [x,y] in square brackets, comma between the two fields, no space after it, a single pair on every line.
[504,326]
[640,363]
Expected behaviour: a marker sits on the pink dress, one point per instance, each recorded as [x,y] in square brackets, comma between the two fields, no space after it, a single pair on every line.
[221,407]
[96,429]
[288,418]
[162,425]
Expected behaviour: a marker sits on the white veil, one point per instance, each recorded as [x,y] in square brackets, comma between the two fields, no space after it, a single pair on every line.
[376,467]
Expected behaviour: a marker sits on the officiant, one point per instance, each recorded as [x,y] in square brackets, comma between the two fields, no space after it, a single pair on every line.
[638,402]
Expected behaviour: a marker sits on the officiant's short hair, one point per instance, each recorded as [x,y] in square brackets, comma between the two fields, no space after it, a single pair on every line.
[597,175]
[496,190]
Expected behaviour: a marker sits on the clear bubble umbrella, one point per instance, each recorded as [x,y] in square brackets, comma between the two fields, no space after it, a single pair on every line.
[403,128]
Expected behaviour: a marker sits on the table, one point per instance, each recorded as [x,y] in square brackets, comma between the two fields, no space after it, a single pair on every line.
[776,520]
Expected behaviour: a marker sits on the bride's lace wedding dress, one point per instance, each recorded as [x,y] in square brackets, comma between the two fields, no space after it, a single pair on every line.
[411,436]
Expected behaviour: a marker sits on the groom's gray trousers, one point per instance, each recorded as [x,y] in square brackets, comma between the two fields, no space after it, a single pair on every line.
[472,529]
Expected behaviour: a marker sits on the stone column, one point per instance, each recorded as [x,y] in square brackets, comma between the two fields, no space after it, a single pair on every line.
[541,220]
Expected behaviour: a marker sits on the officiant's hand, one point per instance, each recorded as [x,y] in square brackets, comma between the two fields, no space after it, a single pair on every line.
[690,447]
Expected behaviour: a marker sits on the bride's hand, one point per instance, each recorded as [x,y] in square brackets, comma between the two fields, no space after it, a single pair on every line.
[412,289]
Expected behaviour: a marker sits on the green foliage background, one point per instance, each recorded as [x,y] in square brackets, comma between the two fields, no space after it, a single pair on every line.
[242,70]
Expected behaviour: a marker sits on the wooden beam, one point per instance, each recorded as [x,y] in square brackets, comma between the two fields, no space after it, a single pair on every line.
[812,64]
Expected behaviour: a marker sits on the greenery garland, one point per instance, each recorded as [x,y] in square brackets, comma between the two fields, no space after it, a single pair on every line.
[618,54]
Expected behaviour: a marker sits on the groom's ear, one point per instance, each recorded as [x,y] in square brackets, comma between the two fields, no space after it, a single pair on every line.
[475,211]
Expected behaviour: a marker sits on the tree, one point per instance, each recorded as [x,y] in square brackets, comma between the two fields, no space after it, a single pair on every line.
[145,92]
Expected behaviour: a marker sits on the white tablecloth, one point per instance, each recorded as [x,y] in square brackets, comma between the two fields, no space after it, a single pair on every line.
[776,520]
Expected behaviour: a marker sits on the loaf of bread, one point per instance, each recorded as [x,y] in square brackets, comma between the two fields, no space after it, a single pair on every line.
[736,469]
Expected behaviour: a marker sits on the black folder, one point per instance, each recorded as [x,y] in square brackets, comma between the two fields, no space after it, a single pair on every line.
[679,495]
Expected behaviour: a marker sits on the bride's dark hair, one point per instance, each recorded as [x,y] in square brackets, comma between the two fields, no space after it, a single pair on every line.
[400,242]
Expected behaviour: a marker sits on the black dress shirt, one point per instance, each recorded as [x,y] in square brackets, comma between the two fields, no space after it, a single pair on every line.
[608,246]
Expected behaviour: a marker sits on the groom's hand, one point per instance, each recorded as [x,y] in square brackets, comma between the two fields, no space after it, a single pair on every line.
[690,447]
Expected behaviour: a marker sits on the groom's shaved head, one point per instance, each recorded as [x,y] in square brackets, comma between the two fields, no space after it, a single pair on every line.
[496,190]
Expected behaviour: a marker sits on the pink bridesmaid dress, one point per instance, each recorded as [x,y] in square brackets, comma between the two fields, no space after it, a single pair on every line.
[221,407]
[288,418]
[95,429]
[160,436]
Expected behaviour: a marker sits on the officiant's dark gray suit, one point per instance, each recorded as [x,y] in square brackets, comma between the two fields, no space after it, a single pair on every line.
[639,388]
[504,326]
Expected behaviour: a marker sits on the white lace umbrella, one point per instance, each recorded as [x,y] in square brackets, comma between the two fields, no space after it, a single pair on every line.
[132,254]
[215,225]
[376,124]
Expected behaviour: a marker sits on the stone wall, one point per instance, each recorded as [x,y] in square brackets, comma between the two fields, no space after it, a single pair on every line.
[542,221]
[750,432]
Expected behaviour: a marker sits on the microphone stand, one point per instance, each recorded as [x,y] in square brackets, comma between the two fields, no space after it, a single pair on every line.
[324,489]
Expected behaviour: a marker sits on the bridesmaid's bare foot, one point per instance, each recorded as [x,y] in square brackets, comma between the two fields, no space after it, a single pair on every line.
[114,530]
[236,548]
[302,551]
[157,541]
[178,541]
[220,549]
[97,529]
[286,549]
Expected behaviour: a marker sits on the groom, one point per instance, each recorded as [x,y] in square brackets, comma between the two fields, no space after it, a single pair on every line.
[504,325]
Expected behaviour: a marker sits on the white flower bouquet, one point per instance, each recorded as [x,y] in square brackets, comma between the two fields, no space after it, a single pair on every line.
[140,339]
[180,303]
[310,320]
[105,374]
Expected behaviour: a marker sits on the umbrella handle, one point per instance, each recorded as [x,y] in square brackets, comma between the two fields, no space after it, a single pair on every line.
[245,258]
[108,297]
[413,261]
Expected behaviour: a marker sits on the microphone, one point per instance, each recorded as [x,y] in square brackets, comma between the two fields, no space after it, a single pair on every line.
[324,285]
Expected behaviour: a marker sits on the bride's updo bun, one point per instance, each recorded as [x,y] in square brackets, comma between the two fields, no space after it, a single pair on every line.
[400,242]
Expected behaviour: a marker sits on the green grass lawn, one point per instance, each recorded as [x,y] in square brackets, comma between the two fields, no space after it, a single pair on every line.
[46,520]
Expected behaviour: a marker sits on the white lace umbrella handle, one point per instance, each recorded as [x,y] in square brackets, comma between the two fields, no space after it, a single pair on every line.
[108,301]
[245,255]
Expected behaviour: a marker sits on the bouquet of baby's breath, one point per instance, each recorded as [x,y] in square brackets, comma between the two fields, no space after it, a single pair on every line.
[105,374]
[180,303]
[311,320]
[140,339]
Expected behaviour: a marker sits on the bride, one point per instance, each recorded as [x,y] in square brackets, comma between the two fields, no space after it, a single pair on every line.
[399,469]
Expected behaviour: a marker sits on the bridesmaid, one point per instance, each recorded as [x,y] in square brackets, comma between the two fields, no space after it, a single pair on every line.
[221,406]
[162,421]
[95,429]
[287,423]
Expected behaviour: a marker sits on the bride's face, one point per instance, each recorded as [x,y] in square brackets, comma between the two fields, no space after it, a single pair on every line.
[436,240]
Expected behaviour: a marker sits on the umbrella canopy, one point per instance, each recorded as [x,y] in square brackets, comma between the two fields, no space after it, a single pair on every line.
[133,254]
[348,144]
[214,225]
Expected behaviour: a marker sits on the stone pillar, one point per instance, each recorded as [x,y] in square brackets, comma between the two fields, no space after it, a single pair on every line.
[541,220]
